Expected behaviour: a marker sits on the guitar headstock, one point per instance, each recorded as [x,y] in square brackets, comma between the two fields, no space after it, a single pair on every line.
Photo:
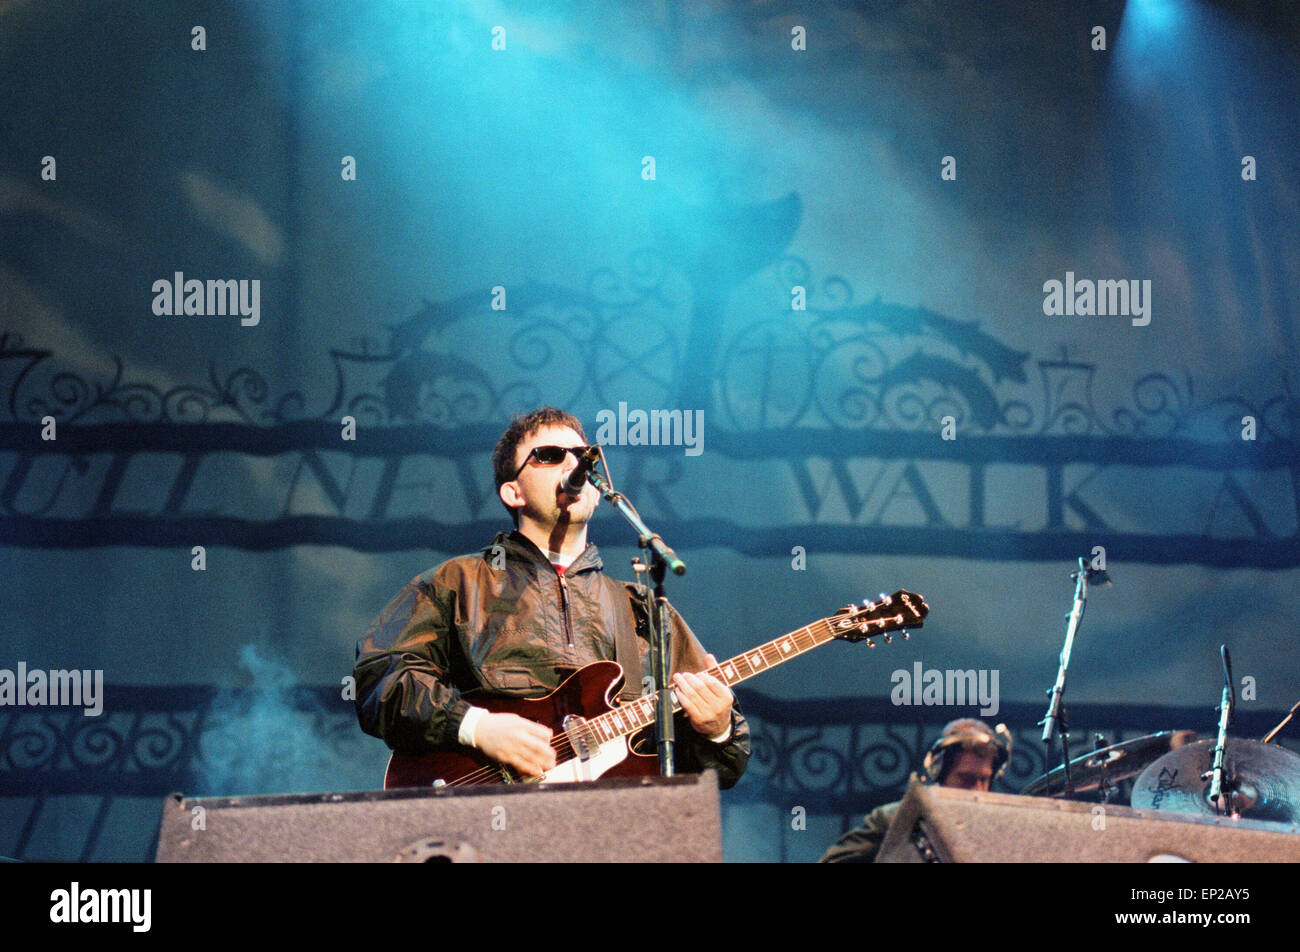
[896,612]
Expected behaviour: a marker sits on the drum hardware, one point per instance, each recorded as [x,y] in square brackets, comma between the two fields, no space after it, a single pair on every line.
[1106,774]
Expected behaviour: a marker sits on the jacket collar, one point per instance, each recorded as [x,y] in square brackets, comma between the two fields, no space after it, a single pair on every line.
[520,548]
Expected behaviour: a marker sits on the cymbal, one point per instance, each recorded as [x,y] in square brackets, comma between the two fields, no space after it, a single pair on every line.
[1267,776]
[1113,764]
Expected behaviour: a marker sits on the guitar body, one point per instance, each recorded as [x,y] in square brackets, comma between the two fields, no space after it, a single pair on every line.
[587,693]
[594,736]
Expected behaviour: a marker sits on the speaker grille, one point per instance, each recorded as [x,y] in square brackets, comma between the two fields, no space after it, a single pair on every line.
[960,826]
[646,819]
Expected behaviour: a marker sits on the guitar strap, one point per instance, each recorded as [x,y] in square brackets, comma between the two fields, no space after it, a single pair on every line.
[625,648]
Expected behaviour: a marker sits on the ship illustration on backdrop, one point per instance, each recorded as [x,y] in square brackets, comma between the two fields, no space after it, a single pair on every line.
[712,249]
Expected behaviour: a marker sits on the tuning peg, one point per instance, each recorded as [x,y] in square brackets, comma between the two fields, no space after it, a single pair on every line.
[888,639]
[884,599]
[906,636]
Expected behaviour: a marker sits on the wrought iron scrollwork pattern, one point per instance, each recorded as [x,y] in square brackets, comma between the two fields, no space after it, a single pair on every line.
[838,365]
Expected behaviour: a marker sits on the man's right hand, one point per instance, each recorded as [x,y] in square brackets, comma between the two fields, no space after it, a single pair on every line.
[516,742]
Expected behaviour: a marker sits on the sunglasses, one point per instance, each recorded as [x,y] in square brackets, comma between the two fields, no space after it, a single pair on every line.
[549,456]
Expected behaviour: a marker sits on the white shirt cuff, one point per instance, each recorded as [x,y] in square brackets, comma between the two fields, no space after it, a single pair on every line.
[468,725]
[723,737]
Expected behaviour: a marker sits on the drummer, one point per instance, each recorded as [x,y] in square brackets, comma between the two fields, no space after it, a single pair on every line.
[967,756]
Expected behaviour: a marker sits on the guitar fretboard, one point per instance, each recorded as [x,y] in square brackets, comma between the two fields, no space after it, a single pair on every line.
[630,717]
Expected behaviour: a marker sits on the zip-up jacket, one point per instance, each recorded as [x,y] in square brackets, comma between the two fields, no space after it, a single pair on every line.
[504,622]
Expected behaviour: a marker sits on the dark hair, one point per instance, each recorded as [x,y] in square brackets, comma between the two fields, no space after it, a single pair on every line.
[520,429]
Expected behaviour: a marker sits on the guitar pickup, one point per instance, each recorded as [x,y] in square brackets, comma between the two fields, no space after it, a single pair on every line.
[579,736]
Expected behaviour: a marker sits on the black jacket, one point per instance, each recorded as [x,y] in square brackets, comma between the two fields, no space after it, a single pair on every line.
[862,843]
[504,622]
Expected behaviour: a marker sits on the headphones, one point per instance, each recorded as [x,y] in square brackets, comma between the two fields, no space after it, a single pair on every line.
[969,734]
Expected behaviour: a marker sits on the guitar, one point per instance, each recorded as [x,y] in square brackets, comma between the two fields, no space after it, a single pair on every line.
[591,730]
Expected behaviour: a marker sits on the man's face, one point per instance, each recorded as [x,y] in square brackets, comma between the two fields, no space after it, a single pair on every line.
[972,770]
[537,493]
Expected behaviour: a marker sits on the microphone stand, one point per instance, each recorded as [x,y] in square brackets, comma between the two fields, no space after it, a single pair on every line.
[661,559]
[1055,716]
[1224,804]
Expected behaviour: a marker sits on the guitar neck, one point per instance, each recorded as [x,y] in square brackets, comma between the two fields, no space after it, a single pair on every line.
[630,717]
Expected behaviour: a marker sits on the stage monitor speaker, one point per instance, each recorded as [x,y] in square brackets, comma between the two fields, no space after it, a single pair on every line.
[942,825]
[637,820]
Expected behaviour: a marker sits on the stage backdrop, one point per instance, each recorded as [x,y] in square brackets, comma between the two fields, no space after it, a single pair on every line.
[858,296]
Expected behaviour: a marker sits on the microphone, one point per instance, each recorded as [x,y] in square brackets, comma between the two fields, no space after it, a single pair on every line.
[578,478]
[1097,578]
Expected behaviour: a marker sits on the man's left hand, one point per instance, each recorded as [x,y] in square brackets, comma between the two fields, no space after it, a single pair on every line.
[705,699]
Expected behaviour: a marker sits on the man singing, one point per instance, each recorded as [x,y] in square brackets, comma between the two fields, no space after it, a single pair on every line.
[522,615]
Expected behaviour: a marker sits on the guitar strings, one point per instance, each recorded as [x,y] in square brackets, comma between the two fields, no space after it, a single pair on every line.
[558,741]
